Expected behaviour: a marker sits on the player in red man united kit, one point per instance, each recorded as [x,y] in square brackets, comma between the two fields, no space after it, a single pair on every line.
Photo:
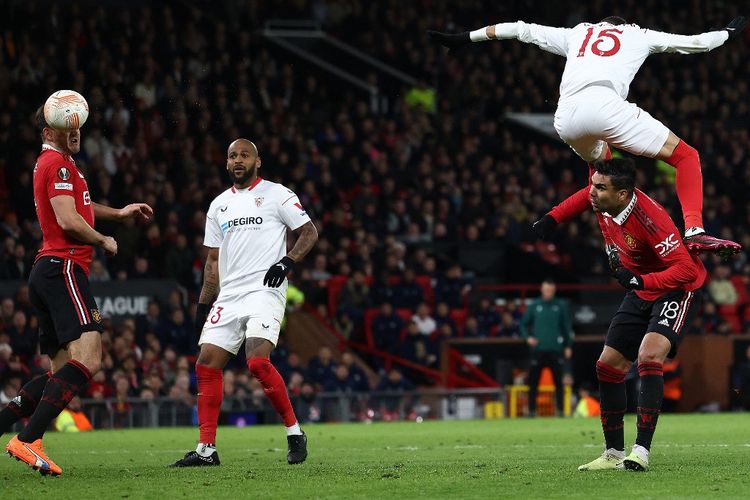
[69,320]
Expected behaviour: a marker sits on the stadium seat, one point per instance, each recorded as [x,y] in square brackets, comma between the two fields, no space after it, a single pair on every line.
[459,318]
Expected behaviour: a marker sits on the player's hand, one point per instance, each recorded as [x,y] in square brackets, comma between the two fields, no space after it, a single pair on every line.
[613,257]
[532,341]
[544,227]
[628,279]
[450,40]
[277,272]
[138,210]
[736,27]
[110,246]
[201,315]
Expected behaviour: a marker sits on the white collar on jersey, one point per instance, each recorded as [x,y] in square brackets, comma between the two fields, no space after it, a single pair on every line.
[53,148]
[620,219]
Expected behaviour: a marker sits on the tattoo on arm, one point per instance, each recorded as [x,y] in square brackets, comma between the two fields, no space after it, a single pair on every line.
[307,235]
[210,289]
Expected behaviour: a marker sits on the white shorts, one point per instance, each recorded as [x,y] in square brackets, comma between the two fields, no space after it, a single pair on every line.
[596,114]
[232,319]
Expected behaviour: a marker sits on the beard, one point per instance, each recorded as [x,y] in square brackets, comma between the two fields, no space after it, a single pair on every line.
[242,179]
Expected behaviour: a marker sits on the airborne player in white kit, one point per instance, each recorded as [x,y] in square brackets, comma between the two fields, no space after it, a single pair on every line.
[592,111]
[244,293]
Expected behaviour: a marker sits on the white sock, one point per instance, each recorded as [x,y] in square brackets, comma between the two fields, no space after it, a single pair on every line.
[615,453]
[692,231]
[294,430]
[641,452]
[205,449]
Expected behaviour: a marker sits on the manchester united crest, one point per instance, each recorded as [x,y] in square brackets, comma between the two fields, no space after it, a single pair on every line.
[63,173]
[97,317]
[258,201]
[629,240]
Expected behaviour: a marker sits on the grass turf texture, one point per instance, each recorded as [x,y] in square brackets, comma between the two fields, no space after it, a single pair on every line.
[694,456]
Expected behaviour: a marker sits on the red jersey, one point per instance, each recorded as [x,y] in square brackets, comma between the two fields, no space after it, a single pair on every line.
[650,245]
[56,174]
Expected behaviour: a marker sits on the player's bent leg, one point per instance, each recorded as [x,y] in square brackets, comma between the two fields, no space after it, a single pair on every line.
[65,383]
[610,371]
[653,351]
[209,371]
[258,351]
[689,184]
[23,405]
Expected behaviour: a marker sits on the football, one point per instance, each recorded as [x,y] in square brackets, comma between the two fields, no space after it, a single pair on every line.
[65,110]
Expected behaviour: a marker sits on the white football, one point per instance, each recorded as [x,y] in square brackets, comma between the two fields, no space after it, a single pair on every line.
[65,110]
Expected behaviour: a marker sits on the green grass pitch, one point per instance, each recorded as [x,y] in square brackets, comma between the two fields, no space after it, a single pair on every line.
[694,456]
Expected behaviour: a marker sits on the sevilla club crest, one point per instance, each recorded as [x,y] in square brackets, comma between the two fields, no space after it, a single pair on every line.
[258,201]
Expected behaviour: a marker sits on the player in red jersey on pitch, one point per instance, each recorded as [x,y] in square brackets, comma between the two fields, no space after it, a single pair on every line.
[69,321]
[648,258]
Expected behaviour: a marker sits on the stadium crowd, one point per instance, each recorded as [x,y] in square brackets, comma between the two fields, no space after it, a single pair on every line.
[391,191]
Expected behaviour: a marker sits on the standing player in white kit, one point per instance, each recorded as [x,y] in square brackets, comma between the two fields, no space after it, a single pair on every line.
[592,111]
[246,229]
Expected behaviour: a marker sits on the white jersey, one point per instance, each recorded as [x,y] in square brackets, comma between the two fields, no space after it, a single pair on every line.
[604,53]
[249,227]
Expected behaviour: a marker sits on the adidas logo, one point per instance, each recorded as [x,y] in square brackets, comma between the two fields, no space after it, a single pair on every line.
[16,401]
[633,280]
[664,322]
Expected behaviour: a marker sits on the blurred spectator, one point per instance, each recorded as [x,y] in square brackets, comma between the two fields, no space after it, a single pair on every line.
[407,293]
[419,349]
[306,405]
[720,288]
[509,327]
[72,419]
[452,288]
[23,339]
[442,317]
[321,368]
[386,328]
[487,316]
[471,328]
[394,382]
[356,373]
[381,290]
[354,297]
[97,271]
[344,325]
[425,323]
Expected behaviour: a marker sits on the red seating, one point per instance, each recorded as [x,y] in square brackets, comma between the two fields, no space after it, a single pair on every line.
[459,318]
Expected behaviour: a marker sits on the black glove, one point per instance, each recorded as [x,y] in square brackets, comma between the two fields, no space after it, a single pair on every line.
[736,27]
[450,40]
[201,315]
[544,227]
[628,279]
[613,257]
[277,272]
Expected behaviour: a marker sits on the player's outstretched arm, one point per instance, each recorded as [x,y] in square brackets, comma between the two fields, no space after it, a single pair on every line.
[695,44]
[548,38]
[139,210]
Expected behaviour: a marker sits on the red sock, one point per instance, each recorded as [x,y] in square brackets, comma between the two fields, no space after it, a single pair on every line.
[274,387]
[689,183]
[210,393]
